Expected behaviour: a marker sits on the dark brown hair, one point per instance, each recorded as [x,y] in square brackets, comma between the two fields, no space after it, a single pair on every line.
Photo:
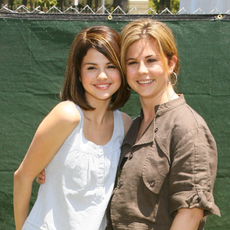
[105,40]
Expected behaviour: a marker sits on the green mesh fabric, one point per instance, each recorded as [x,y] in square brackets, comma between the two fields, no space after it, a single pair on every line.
[33,57]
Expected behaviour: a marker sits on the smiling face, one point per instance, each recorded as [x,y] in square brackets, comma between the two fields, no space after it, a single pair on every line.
[100,78]
[145,71]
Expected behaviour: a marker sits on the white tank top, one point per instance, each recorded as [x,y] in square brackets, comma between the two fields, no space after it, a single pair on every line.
[79,183]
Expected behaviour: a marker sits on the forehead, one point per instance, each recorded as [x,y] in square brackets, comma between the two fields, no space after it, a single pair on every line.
[93,55]
[145,46]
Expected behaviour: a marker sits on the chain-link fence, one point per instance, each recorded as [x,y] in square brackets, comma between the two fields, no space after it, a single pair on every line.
[102,10]
[33,54]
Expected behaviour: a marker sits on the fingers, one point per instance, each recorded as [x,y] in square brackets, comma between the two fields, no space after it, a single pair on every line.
[43,172]
[40,180]
[41,177]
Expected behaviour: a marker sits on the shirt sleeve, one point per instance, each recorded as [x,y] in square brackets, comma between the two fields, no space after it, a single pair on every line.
[193,172]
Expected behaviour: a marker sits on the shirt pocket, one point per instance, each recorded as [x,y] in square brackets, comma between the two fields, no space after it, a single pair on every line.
[155,170]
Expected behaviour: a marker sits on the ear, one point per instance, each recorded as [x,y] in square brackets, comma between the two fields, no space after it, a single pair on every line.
[172,64]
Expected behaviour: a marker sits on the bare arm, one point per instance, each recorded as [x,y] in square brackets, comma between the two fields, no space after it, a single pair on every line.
[187,219]
[48,138]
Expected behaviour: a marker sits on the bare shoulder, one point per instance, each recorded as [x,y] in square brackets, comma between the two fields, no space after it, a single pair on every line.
[50,135]
[63,117]
[127,120]
[66,111]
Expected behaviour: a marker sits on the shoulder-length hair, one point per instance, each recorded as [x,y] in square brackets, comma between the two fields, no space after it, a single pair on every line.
[149,29]
[105,40]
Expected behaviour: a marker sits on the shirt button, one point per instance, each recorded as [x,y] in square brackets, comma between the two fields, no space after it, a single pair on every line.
[120,184]
[152,184]
[130,156]
[156,129]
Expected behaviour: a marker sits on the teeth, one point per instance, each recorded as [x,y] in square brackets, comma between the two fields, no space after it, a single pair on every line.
[101,86]
[145,82]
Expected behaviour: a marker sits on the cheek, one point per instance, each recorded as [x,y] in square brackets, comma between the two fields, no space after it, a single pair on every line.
[159,72]
[117,77]
[85,79]
[129,72]
[85,75]
[128,79]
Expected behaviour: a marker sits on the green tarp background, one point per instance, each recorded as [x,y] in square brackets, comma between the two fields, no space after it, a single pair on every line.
[33,56]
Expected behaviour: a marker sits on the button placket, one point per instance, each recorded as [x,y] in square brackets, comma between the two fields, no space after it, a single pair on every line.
[100,168]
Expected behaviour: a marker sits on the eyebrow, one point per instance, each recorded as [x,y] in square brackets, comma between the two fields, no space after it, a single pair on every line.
[145,57]
[91,63]
[130,59]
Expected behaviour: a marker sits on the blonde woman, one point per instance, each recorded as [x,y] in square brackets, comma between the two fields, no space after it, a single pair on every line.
[169,157]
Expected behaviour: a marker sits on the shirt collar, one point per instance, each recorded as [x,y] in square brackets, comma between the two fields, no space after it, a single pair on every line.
[150,132]
[165,107]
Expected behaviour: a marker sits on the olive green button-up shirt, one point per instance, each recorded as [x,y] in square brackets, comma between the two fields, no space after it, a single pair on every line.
[172,166]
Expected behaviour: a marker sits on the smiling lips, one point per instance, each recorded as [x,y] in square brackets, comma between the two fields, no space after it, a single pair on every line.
[103,86]
[145,82]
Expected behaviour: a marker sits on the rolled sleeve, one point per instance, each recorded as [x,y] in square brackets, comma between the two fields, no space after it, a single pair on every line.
[193,172]
[194,199]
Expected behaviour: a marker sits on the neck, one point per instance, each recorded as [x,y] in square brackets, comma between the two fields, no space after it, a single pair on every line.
[149,104]
[98,115]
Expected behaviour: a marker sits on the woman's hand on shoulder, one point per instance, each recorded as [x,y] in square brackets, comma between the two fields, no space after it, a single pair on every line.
[127,120]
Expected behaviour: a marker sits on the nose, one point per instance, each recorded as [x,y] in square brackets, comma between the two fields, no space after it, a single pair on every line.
[142,68]
[102,75]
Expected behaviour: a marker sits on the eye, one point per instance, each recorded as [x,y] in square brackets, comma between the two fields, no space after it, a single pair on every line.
[132,63]
[151,60]
[111,67]
[91,68]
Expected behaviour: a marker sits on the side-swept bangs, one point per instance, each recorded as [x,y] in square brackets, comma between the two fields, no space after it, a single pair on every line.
[105,40]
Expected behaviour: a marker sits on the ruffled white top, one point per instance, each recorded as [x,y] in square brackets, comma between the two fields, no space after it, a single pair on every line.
[79,183]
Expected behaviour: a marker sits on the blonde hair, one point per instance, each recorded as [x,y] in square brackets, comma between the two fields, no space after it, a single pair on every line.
[149,29]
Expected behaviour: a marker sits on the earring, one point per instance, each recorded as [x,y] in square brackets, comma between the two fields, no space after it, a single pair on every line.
[175,75]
